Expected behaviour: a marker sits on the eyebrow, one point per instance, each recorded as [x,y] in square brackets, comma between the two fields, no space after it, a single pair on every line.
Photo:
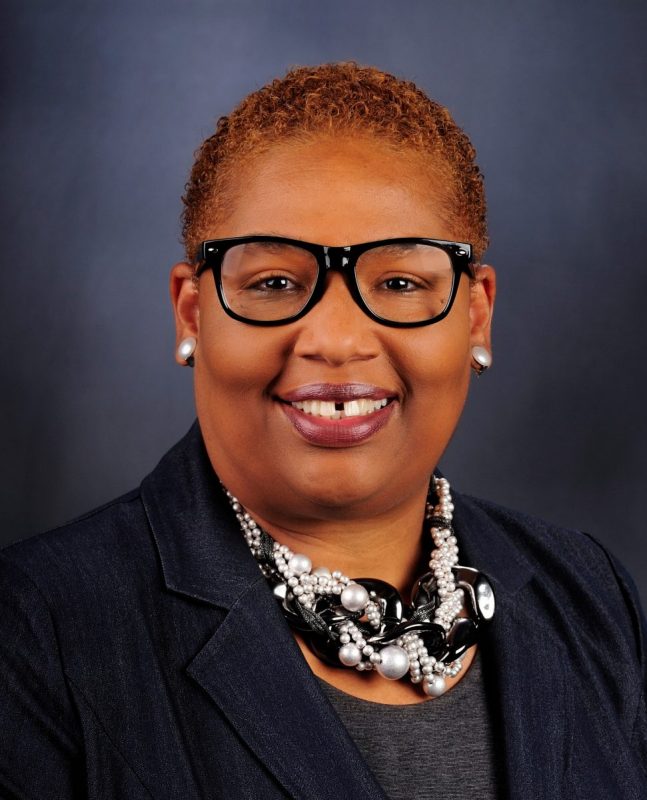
[398,248]
[270,246]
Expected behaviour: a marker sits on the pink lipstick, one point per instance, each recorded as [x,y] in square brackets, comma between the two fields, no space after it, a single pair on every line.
[338,415]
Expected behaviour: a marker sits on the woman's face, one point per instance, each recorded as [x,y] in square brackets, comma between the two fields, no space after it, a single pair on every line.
[334,191]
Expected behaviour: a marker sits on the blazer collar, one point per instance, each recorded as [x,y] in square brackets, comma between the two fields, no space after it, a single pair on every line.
[251,667]
[202,552]
[203,556]
[525,662]
[487,546]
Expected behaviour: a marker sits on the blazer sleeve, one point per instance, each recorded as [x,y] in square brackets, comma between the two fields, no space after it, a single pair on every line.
[630,592]
[40,739]
[638,623]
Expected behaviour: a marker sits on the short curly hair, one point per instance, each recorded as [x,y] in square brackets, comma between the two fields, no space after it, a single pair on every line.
[338,98]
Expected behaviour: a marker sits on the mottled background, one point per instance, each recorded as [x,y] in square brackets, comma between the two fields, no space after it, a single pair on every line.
[102,107]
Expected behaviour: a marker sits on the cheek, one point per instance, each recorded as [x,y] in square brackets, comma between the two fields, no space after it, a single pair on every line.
[236,361]
[436,367]
[439,353]
[233,370]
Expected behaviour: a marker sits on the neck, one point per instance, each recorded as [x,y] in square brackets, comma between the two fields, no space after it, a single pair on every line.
[391,546]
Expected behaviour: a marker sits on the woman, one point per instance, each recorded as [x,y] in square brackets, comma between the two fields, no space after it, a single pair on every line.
[398,640]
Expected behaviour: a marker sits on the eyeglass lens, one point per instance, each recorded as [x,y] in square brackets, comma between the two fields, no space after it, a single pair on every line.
[267,281]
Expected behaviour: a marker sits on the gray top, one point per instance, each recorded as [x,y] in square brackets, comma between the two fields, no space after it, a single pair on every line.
[442,748]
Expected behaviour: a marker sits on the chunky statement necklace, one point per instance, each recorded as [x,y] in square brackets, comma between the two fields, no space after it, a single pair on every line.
[363,623]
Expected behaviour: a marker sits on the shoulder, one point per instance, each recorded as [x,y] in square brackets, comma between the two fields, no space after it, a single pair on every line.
[570,611]
[85,561]
[571,585]
[78,606]
[561,556]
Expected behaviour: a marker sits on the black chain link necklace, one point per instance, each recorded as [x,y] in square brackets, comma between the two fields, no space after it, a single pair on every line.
[364,623]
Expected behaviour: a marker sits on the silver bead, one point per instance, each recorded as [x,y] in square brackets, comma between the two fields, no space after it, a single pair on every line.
[322,572]
[299,564]
[434,686]
[354,597]
[350,655]
[394,663]
[485,598]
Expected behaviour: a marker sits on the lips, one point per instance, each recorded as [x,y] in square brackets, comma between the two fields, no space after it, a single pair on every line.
[338,415]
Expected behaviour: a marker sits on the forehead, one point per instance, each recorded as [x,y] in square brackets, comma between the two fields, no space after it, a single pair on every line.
[336,190]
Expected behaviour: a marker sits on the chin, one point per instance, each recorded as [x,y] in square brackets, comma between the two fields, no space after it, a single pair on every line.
[345,492]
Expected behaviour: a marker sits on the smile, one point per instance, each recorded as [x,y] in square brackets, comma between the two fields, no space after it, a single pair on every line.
[338,415]
[332,410]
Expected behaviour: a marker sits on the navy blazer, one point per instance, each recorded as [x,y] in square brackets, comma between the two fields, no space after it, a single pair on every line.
[142,655]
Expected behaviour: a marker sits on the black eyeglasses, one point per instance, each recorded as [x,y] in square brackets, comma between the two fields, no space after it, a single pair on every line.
[270,280]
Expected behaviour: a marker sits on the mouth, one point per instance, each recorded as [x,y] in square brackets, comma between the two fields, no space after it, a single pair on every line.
[338,415]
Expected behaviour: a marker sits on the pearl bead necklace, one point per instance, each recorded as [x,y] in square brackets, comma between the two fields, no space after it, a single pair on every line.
[362,624]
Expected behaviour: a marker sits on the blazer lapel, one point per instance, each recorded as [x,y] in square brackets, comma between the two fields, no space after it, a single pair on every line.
[532,702]
[251,668]
[524,664]
[254,671]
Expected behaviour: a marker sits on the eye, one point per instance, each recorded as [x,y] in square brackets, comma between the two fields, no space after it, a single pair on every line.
[400,284]
[272,284]
[275,284]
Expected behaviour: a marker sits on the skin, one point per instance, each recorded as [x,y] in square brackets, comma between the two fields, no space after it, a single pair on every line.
[358,509]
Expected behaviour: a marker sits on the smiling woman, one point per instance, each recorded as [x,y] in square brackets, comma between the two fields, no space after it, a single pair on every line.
[213,632]
[247,375]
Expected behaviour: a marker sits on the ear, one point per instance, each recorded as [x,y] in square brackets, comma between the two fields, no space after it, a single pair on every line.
[185,299]
[482,294]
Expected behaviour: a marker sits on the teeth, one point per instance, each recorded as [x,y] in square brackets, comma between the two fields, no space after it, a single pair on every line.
[328,409]
[352,408]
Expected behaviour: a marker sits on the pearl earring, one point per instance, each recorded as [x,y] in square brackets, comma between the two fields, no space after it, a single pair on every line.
[186,349]
[481,359]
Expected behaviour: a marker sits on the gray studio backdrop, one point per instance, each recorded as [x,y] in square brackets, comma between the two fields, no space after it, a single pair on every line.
[102,107]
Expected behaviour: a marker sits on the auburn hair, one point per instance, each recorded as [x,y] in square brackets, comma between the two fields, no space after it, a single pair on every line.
[337,99]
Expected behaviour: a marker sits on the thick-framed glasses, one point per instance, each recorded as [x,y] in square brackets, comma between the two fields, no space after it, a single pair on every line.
[270,280]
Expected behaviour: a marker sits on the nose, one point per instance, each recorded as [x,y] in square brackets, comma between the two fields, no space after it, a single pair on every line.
[336,330]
